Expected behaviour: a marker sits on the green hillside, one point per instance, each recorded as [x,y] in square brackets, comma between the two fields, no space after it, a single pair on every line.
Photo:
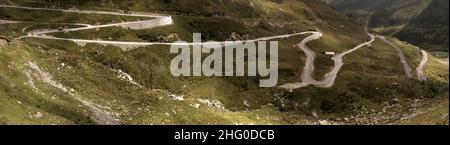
[60,82]
[420,22]
[431,26]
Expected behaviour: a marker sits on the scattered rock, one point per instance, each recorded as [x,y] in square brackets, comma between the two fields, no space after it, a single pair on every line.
[3,42]
[172,37]
[246,103]
[395,100]
[38,115]
[99,115]
[196,106]
[347,119]
[324,122]
[177,97]
[314,114]
[237,37]
[445,116]
[125,76]
[212,103]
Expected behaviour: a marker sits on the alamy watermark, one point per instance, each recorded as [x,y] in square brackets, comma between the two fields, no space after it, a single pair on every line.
[228,58]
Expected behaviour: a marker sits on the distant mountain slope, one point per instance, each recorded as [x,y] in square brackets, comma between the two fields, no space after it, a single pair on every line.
[420,22]
[430,29]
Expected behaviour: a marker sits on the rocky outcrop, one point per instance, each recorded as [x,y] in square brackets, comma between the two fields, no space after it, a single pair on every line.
[3,41]
[238,37]
[172,37]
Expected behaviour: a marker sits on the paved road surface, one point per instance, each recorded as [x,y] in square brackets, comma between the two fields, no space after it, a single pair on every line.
[403,60]
[160,20]
[422,64]
[156,21]
[330,77]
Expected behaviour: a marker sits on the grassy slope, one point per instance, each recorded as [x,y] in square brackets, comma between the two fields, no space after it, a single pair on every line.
[393,19]
[429,30]
[421,22]
[386,16]
[59,17]
[370,77]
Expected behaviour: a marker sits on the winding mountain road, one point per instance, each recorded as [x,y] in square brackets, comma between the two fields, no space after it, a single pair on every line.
[422,64]
[403,60]
[408,71]
[309,65]
[161,20]
[443,61]
[85,11]
[137,25]
[6,22]
[156,21]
